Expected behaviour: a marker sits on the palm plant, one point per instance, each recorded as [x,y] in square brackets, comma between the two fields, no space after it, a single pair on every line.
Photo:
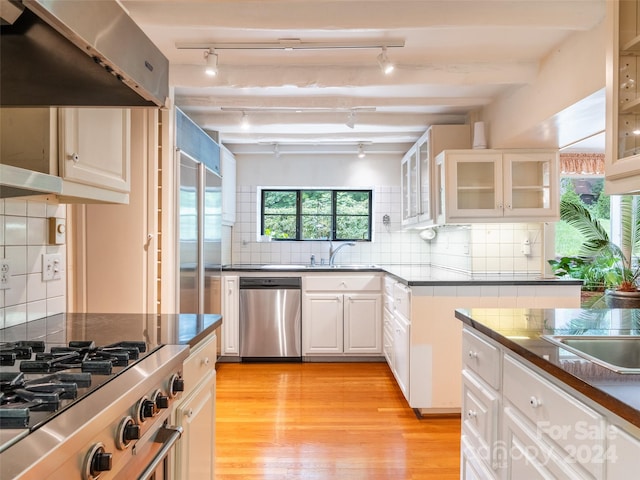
[617,263]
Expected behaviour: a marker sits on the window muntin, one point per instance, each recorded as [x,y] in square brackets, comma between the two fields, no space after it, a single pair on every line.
[316,214]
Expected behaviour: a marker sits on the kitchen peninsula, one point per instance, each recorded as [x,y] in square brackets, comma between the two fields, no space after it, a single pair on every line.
[532,408]
[419,334]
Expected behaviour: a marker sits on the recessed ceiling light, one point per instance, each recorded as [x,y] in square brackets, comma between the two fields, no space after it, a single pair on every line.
[361,153]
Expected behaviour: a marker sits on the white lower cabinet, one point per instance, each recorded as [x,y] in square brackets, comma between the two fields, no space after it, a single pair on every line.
[231,314]
[195,413]
[337,324]
[338,321]
[532,426]
[401,353]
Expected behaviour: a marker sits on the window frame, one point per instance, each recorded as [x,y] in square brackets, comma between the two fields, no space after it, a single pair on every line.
[299,216]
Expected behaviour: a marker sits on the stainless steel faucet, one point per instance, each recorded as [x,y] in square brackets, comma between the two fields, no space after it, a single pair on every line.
[333,252]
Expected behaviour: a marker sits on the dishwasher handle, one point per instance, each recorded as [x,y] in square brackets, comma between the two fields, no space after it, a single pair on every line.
[267,283]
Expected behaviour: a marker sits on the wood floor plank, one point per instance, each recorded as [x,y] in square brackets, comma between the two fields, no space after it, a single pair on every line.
[326,421]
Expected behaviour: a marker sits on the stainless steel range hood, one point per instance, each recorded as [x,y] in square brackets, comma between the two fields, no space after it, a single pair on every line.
[77,53]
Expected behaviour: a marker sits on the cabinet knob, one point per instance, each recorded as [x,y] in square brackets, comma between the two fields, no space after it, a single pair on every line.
[472,414]
[534,402]
[206,361]
[189,413]
[473,354]
[75,157]
[509,207]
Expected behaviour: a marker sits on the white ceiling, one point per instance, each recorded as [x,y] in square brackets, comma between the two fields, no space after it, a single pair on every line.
[458,56]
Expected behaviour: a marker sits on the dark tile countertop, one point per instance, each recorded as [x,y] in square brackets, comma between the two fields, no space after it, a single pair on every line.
[520,331]
[412,275]
[107,328]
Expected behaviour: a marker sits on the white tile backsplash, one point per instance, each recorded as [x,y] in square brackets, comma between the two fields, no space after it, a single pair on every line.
[23,241]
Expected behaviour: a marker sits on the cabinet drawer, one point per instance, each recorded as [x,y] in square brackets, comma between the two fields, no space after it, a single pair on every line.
[342,283]
[480,410]
[402,300]
[388,285]
[472,465]
[482,358]
[201,361]
[555,415]
[526,455]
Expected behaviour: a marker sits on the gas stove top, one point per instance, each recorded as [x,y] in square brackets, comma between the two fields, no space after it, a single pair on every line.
[38,381]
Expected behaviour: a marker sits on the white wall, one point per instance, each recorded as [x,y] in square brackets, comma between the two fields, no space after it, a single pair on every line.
[23,241]
[480,248]
[571,72]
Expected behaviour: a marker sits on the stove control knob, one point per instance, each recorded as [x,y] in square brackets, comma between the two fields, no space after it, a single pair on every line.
[128,431]
[176,384]
[162,401]
[148,409]
[96,461]
[145,409]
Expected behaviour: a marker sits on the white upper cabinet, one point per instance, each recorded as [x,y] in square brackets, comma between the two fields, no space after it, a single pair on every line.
[418,171]
[228,164]
[95,151]
[622,158]
[497,186]
[88,148]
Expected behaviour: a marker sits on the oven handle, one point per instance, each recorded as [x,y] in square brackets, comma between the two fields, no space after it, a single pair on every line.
[169,435]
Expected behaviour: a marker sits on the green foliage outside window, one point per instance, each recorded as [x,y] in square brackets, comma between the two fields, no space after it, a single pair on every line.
[316,214]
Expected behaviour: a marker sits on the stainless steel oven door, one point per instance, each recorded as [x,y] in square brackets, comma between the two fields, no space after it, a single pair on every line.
[155,461]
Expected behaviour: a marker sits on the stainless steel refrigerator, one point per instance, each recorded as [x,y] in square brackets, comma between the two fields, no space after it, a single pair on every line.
[200,220]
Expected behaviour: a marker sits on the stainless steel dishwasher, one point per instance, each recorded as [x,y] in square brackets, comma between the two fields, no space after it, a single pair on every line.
[270,319]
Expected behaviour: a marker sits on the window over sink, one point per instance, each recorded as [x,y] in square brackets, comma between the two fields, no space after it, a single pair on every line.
[316,214]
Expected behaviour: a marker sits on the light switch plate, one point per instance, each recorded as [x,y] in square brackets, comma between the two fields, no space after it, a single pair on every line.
[51,267]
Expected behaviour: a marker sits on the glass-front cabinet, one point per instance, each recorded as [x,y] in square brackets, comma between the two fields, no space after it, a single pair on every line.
[497,186]
[622,157]
[418,172]
[410,187]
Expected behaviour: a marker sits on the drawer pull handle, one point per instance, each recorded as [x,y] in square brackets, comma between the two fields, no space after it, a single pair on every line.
[473,355]
[206,361]
[472,414]
[534,402]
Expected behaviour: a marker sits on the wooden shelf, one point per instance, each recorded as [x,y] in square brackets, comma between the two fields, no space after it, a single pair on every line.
[631,107]
[632,47]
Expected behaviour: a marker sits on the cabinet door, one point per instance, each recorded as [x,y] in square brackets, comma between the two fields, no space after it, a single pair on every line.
[409,184]
[622,454]
[401,353]
[622,156]
[531,185]
[230,326]
[362,323]
[94,147]
[473,185]
[322,327]
[426,211]
[228,162]
[195,455]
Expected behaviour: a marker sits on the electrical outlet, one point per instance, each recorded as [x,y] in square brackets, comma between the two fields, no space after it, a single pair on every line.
[5,274]
[51,267]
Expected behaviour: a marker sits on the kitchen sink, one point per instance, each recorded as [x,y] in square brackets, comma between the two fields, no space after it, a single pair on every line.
[618,353]
[279,266]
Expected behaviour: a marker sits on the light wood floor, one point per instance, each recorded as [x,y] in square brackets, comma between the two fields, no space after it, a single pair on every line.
[325,421]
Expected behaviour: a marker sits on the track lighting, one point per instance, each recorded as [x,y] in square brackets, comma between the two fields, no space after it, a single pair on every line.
[244,123]
[276,150]
[385,65]
[211,59]
[361,153]
[351,119]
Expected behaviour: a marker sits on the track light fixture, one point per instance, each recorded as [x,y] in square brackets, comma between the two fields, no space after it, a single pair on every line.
[244,123]
[385,65]
[361,153]
[211,59]
[276,150]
